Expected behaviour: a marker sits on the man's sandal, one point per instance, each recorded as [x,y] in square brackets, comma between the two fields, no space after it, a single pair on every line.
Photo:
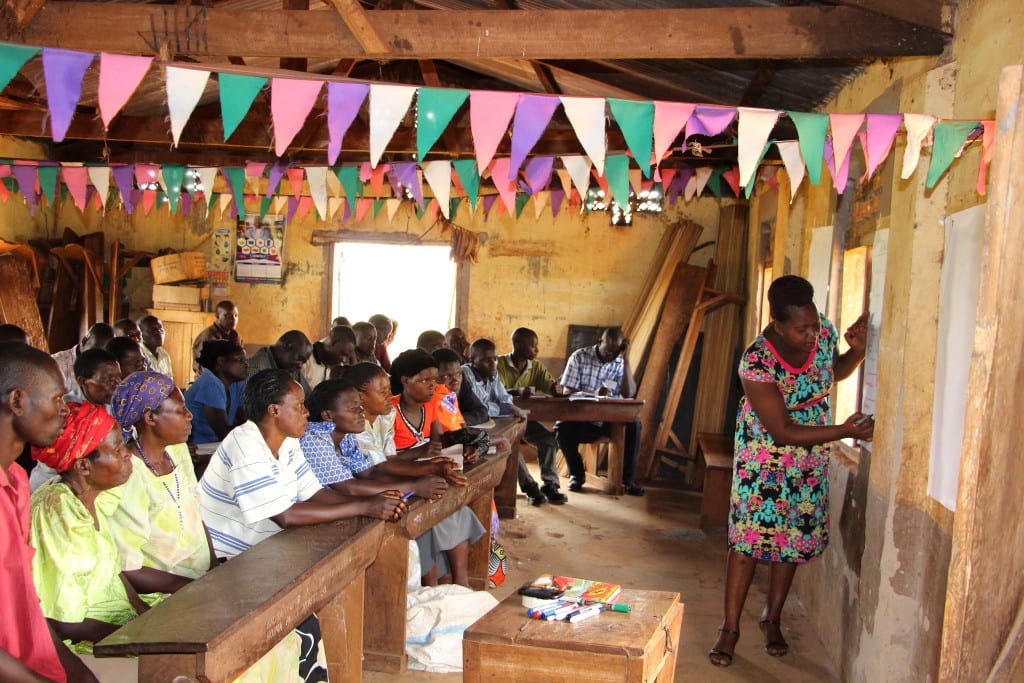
[722,658]
[775,648]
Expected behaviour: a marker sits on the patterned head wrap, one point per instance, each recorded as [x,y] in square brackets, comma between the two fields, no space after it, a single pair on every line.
[139,392]
[87,425]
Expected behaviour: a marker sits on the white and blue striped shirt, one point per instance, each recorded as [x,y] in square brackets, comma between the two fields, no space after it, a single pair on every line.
[244,486]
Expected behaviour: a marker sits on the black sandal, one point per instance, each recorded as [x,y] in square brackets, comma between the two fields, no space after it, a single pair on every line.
[774,648]
[721,658]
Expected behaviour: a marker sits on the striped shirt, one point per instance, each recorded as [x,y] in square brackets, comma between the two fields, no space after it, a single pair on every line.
[245,485]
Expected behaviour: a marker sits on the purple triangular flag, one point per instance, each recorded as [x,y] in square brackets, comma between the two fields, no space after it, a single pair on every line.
[556,201]
[277,172]
[533,112]
[394,182]
[293,206]
[64,70]
[186,203]
[26,177]
[709,121]
[488,203]
[136,197]
[343,103]
[538,173]
[405,173]
[123,176]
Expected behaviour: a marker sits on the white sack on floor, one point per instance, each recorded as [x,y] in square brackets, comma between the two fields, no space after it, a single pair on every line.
[435,619]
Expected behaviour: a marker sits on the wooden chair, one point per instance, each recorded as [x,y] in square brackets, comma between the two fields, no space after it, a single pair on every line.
[713,473]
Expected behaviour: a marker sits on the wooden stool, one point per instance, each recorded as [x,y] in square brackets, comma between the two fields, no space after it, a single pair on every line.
[638,647]
[713,472]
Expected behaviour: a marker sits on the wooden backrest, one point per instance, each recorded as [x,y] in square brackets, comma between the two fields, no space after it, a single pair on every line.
[717,450]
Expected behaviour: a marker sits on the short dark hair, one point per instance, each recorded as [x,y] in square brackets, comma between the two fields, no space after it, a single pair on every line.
[225,305]
[324,395]
[217,348]
[123,323]
[88,362]
[264,388]
[146,319]
[20,365]
[343,332]
[363,326]
[446,356]
[522,333]
[13,333]
[786,291]
[481,346]
[360,374]
[427,337]
[408,364]
[122,346]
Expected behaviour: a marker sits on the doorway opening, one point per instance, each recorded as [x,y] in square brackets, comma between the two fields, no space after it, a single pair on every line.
[412,284]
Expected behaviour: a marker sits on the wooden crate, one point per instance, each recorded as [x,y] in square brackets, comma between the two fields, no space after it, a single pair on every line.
[180,297]
[638,647]
[187,265]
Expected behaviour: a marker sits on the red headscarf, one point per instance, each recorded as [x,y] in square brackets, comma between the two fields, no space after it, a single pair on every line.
[87,425]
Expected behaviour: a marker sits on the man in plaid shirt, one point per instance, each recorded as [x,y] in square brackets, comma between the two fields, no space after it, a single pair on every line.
[602,369]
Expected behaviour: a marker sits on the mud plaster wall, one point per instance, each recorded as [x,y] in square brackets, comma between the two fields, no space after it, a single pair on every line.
[543,273]
[878,594]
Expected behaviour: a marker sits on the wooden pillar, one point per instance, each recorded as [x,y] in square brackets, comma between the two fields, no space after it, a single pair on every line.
[983,633]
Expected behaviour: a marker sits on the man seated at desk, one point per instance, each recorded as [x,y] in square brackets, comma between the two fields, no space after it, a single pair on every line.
[336,349]
[290,352]
[222,328]
[602,369]
[523,375]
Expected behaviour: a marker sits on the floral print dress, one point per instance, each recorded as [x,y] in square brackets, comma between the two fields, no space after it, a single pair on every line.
[779,504]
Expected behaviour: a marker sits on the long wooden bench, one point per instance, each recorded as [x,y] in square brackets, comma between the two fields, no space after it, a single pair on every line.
[222,623]
[388,576]
[713,472]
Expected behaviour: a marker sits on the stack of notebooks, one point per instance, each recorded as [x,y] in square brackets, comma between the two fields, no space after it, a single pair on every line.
[567,588]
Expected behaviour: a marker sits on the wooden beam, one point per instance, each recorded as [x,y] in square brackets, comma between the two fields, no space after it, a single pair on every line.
[758,84]
[25,14]
[519,73]
[927,13]
[544,75]
[358,23]
[294,62]
[728,33]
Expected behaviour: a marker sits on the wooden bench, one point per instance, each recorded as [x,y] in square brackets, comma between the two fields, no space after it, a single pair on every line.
[222,623]
[713,473]
[388,576]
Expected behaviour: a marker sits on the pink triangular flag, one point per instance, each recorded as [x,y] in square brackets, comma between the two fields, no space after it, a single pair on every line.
[669,119]
[64,71]
[636,177]
[184,88]
[148,200]
[844,130]
[388,106]
[881,131]
[377,179]
[506,188]
[146,174]
[840,171]
[987,147]
[489,116]
[291,100]
[667,174]
[587,116]
[295,180]
[363,204]
[754,128]
[918,126]
[305,204]
[793,161]
[120,76]
[438,175]
[255,169]
[77,180]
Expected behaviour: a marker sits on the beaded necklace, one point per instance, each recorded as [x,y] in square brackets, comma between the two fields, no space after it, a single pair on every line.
[177,482]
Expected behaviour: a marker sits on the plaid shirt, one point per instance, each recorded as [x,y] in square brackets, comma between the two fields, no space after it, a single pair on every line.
[585,371]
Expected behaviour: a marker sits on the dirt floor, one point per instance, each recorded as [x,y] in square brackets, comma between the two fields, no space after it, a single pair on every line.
[653,542]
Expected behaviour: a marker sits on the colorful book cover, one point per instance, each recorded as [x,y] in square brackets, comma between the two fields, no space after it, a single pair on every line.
[574,588]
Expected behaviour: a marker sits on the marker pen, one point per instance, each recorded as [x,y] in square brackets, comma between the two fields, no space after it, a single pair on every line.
[585,613]
[407,496]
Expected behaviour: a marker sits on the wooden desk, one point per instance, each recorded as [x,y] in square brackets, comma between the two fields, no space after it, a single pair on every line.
[505,492]
[388,576]
[713,473]
[222,623]
[616,411]
[638,647]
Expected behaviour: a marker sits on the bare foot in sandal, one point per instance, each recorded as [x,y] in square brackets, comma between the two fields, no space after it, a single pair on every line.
[722,652]
[774,642]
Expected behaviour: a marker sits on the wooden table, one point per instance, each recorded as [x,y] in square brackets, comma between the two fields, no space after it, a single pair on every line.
[638,647]
[388,576]
[615,411]
[505,493]
[222,623]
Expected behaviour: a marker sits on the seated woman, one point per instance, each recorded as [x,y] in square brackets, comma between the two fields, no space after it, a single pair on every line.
[77,568]
[157,525]
[215,398]
[416,423]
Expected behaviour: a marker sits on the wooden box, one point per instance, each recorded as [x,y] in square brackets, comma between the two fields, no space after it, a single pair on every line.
[638,647]
[180,297]
[713,473]
[188,265]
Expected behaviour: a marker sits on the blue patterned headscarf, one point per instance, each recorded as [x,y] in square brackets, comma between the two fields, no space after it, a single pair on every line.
[137,393]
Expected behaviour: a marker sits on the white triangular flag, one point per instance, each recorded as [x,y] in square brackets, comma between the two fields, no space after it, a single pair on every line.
[225,202]
[207,177]
[439,176]
[636,179]
[918,127]
[333,204]
[579,170]
[566,180]
[392,206]
[691,188]
[794,163]
[280,204]
[540,200]
[333,185]
[317,178]
[754,128]
[99,176]
[703,175]
[388,106]
[587,116]
[184,88]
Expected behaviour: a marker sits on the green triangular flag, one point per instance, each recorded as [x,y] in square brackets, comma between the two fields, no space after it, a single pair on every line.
[636,121]
[265,206]
[349,178]
[715,183]
[236,97]
[811,129]
[469,176]
[616,172]
[949,137]
[236,179]
[174,176]
[435,107]
[378,204]
[420,209]
[521,199]
[48,182]
[160,197]
[453,205]
[12,58]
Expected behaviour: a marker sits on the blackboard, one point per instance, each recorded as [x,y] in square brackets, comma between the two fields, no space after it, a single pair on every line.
[582,335]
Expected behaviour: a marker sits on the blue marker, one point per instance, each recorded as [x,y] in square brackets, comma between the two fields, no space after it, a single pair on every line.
[407,496]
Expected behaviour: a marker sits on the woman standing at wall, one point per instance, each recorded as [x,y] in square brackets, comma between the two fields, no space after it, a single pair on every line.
[779,504]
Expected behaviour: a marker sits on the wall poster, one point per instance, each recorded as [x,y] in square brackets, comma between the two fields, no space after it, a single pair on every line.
[259,248]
